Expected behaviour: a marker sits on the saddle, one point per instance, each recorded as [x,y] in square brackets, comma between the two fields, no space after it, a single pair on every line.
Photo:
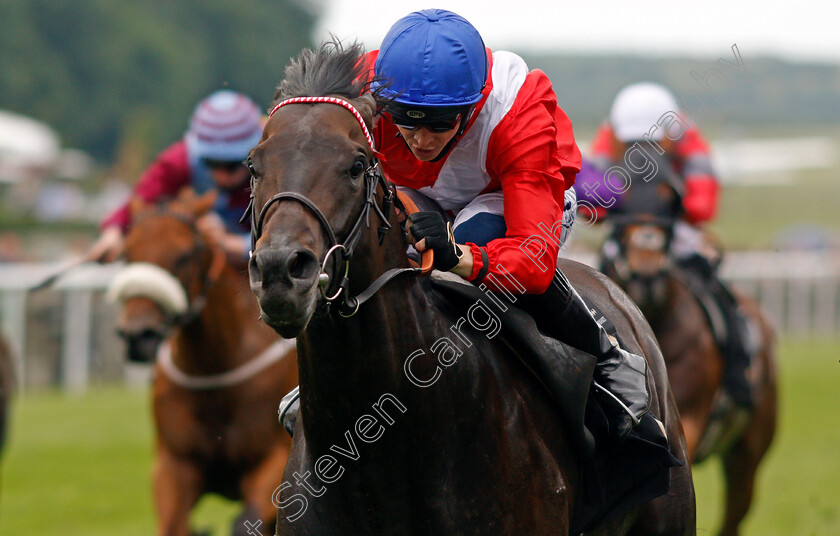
[614,477]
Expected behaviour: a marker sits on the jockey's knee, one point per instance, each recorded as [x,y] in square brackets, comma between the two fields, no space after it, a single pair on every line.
[480,229]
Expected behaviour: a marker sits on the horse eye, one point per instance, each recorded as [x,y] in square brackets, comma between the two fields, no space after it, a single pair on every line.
[251,168]
[357,169]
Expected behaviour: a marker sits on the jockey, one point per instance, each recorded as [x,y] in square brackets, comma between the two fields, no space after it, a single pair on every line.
[222,130]
[648,114]
[480,144]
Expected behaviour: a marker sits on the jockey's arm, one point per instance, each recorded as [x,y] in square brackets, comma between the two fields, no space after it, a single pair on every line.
[702,188]
[523,154]
[162,179]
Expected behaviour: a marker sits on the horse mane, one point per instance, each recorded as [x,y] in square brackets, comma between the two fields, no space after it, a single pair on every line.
[332,69]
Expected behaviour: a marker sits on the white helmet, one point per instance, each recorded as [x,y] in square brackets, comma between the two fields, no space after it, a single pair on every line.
[637,108]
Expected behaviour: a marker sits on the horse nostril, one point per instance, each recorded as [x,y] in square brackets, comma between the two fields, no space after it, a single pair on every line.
[302,265]
[254,269]
[287,265]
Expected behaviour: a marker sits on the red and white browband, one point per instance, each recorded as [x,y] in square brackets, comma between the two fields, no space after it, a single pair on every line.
[330,100]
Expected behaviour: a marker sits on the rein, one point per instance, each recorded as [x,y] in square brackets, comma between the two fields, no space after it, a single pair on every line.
[334,288]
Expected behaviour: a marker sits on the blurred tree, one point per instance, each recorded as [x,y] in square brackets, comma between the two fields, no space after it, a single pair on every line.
[108,73]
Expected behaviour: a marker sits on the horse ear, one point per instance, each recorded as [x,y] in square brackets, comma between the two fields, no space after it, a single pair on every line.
[203,204]
[367,107]
[137,205]
[186,194]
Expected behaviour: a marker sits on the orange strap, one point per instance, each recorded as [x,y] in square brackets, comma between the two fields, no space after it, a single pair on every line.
[427,258]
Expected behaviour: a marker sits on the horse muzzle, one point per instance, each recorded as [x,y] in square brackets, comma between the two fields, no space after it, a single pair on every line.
[285,282]
[142,346]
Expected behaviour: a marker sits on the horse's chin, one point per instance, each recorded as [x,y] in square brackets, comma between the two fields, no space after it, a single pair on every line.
[286,329]
[287,319]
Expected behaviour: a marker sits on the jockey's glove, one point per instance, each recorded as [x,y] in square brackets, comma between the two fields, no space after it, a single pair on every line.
[439,238]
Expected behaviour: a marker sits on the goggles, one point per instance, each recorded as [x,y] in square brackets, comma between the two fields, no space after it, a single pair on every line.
[226,165]
[436,119]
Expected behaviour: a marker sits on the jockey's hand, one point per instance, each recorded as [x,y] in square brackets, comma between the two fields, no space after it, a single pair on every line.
[211,227]
[108,247]
[430,231]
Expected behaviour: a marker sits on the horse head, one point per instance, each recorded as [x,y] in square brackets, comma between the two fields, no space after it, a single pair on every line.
[315,181]
[637,253]
[169,269]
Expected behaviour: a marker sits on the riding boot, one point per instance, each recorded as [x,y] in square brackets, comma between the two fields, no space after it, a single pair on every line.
[620,377]
[288,410]
[736,357]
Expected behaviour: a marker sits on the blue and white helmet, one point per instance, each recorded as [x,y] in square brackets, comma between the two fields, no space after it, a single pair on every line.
[225,126]
[431,59]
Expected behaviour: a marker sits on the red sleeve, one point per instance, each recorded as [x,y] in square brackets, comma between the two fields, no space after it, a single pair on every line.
[527,158]
[702,189]
[164,178]
[601,146]
[701,199]
[567,149]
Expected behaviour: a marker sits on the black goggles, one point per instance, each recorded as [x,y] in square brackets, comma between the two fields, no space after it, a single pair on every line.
[226,165]
[435,119]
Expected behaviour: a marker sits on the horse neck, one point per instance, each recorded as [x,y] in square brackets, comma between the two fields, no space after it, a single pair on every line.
[662,315]
[222,336]
[347,364]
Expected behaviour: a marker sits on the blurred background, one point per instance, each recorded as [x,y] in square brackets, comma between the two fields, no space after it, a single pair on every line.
[92,90]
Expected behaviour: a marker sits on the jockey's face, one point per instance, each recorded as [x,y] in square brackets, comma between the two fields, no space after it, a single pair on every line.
[424,144]
[229,177]
[620,147]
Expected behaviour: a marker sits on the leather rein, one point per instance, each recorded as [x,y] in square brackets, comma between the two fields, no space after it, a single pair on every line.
[334,288]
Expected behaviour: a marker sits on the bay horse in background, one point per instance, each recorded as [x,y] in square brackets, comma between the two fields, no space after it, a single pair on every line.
[219,375]
[637,257]
[388,439]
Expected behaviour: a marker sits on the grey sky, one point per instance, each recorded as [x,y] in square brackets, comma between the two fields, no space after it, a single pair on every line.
[803,30]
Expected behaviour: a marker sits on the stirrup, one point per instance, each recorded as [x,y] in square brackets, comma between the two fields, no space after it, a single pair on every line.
[288,410]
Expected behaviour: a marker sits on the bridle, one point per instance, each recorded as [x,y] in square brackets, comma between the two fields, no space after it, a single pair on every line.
[340,253]
[618,255]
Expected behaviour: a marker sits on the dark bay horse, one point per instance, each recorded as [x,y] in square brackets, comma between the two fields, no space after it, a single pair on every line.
[413,419]
[220,373]
[637,258]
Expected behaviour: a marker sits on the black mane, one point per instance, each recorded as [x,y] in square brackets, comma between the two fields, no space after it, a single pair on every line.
[332,69]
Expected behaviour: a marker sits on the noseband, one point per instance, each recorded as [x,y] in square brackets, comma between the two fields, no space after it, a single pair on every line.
[341,252]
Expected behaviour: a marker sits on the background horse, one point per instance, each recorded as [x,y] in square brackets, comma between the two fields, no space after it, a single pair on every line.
[637,257]
[220,373]
[414,418]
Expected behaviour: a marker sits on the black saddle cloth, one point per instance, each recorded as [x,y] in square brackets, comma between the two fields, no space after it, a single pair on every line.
[615,477]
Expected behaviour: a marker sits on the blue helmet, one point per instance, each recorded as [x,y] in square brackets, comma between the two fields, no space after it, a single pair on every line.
[431,58]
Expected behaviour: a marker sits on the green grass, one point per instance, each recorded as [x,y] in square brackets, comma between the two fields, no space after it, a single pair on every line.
[80,465]
[798,490]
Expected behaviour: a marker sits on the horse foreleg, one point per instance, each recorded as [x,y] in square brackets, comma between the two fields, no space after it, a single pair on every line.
[739,471]
[177,486]
[740,462]
[693,428]
[257,491]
